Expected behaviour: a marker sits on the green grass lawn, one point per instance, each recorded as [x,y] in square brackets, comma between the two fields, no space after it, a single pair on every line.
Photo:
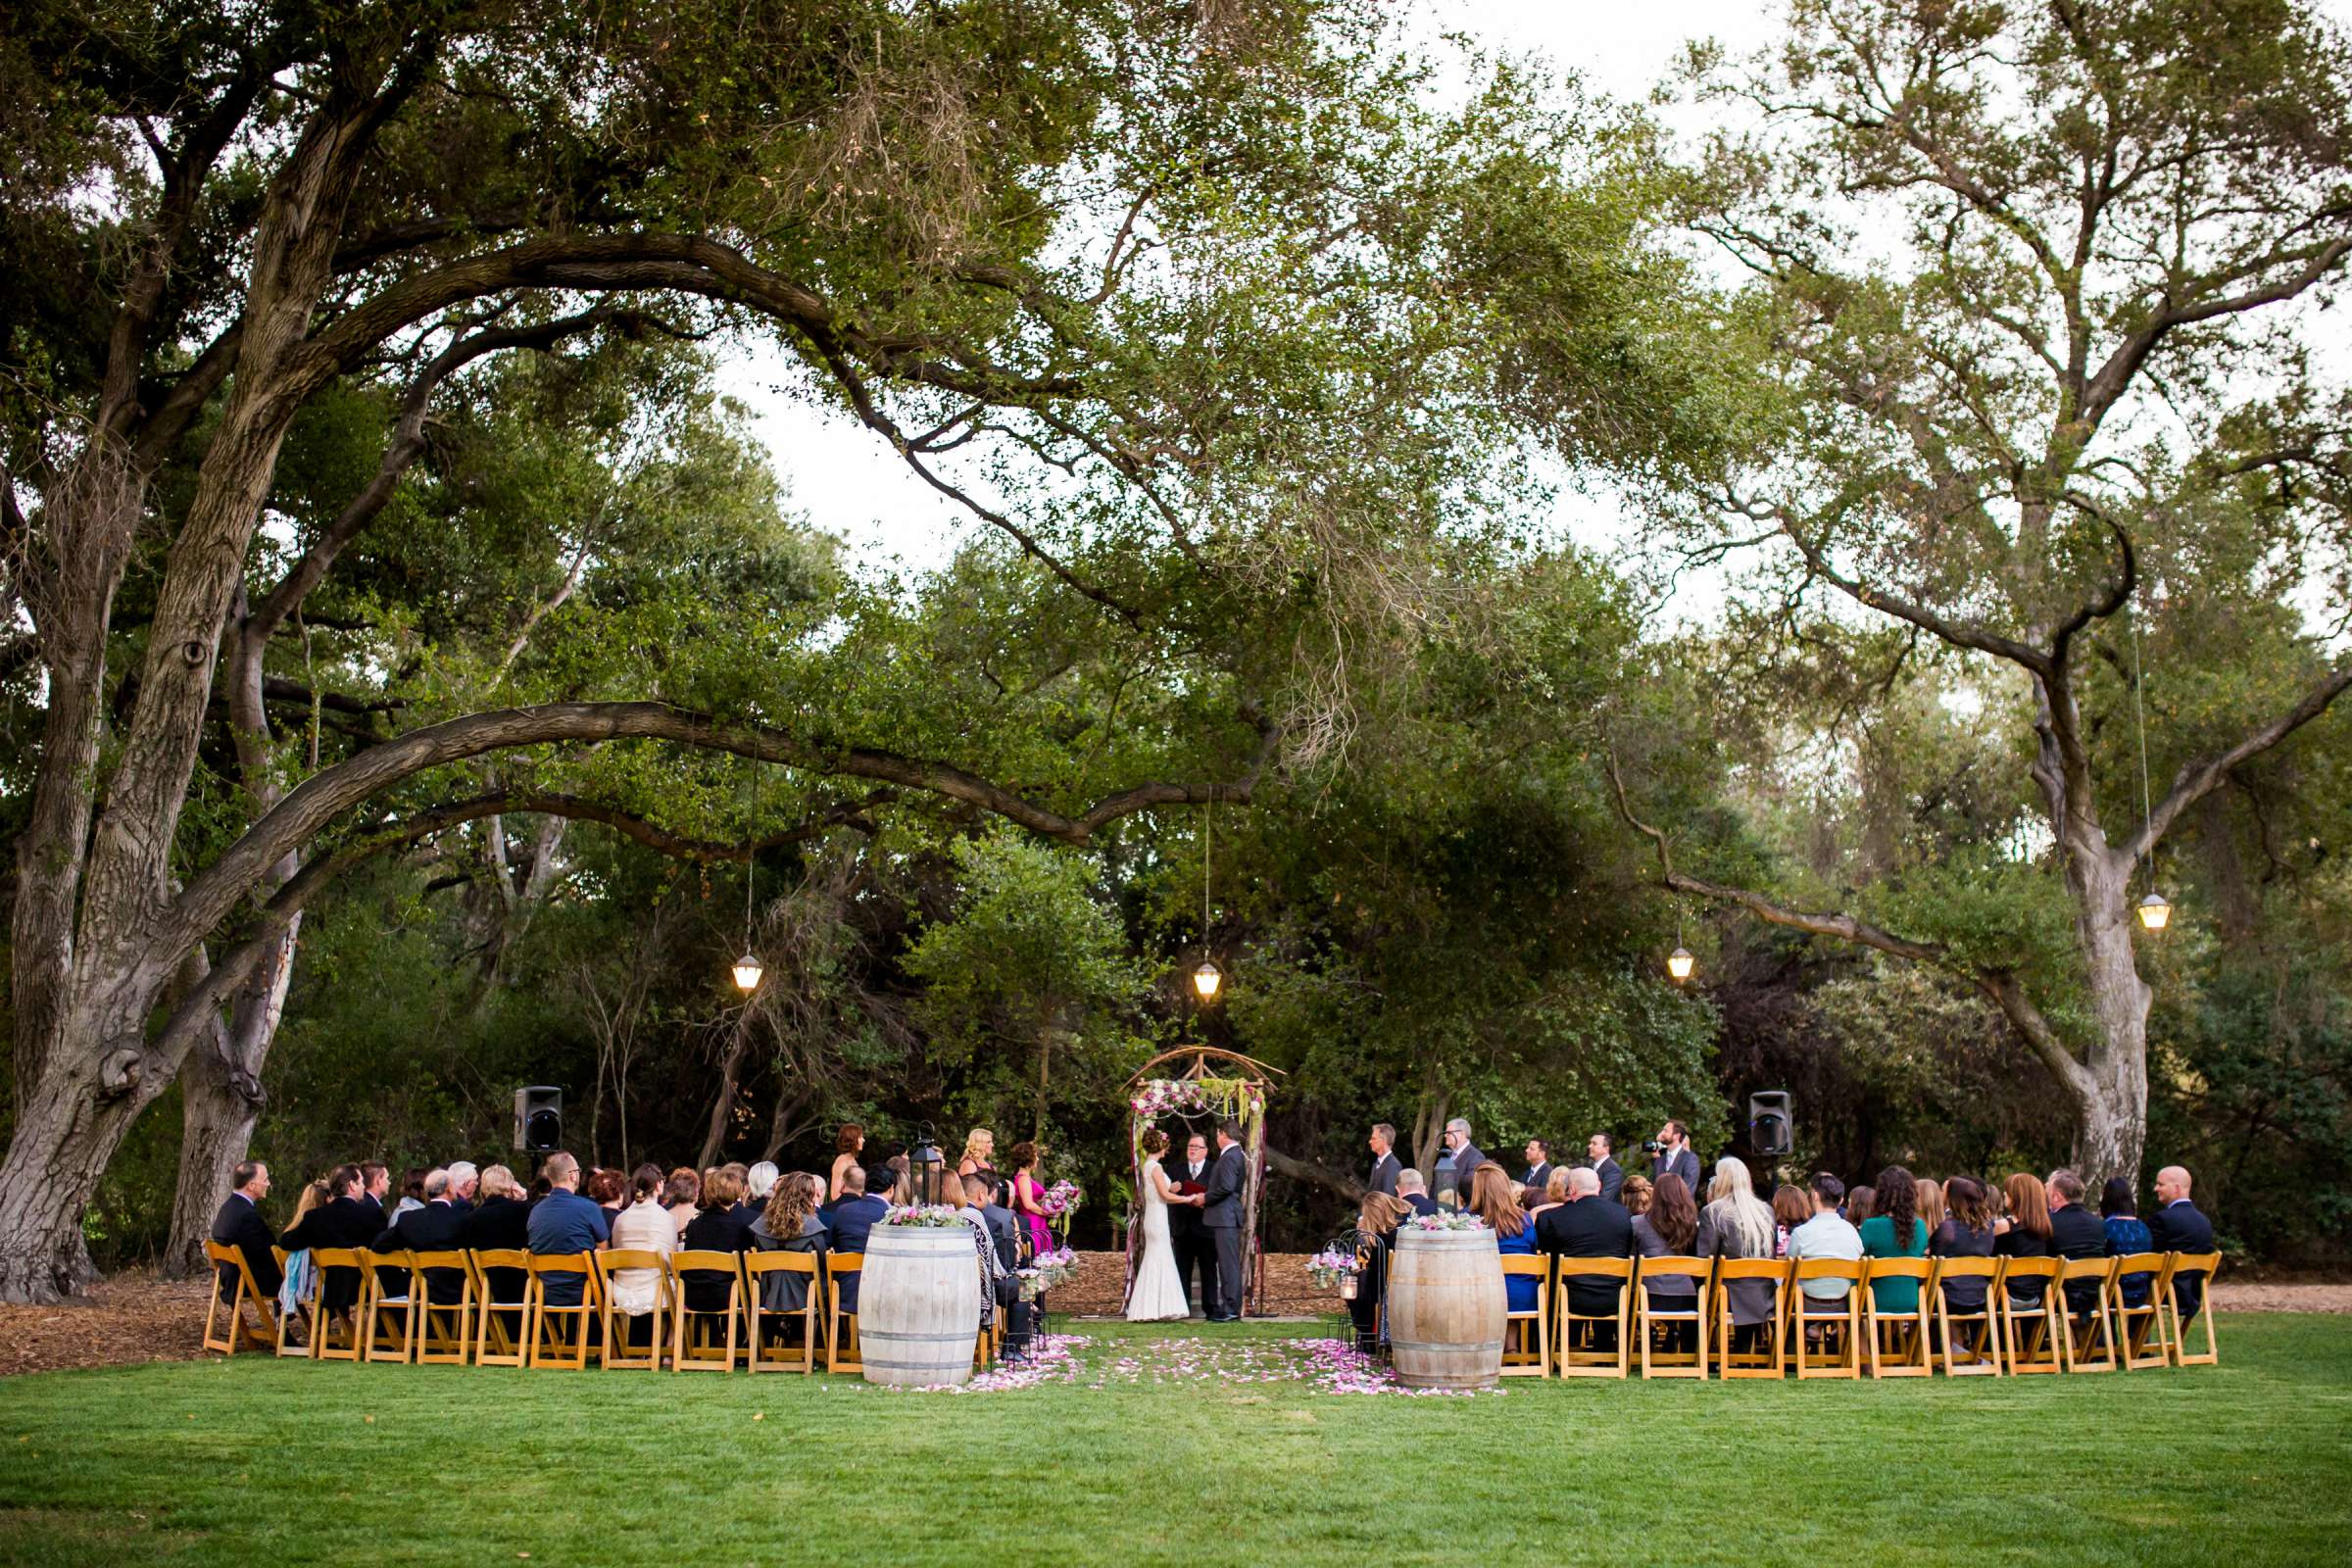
[256,1461]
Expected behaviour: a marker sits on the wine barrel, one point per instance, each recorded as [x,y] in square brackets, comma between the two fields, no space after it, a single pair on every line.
[918,1305]
[1445,1308]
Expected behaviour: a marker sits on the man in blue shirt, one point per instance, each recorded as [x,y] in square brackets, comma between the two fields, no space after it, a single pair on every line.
[564,1223]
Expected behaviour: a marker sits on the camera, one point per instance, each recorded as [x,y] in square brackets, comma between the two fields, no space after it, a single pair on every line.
[1653,1146]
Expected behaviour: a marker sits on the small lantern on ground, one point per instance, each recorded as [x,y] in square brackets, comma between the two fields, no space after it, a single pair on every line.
[1678,964]
[1207,980]
[2153,912]
[926,1169]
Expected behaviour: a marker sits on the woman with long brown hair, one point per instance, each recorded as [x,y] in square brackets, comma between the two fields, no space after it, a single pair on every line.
[789,1224]
[846,1147]
[1967,1231]
[1896,1231]
[1667,1227]
[1514,1231]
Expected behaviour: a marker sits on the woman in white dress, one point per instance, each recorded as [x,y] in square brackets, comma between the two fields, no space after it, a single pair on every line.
[1158,1293]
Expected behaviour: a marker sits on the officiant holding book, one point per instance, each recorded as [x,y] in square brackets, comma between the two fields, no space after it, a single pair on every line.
[1196,1259]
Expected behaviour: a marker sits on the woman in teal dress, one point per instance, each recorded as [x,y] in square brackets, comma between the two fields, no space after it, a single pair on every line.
[1896,1230]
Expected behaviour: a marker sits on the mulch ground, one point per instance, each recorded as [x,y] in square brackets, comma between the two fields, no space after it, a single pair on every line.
[136,1317]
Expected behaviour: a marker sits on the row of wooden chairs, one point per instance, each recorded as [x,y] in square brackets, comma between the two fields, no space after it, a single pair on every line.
[1856,1336]
[402,1322]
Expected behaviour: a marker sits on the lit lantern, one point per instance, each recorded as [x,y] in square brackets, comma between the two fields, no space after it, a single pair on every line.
[926,1169]
[1678,964]
[1207,980]
[2154,913]
[747,970]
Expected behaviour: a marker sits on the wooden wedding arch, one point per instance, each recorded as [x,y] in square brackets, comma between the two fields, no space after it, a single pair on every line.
[1198,1086]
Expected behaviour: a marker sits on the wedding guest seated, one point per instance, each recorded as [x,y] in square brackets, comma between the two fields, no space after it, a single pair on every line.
[411,1190]
[1669,1228]
[2178,1226]
[854,1217]
[1896,1231]
[1790,1208]
[1554,1195]
[1825,1233]
[376,1191]
[1967,1231]
[1928,1196]
[1635,1193]
[345,1221]
[982,1188]
[760,1184]
[1376,1223]
[716,1229]
[740,1175]
[2023,1231]
[644,1226]
[2126,1234]
[789,1224]
[1587,1225]
[564,1223]
[609,1191]
[464,1184]
[1414,1190]
[300,1286]
[501,1221]
[2075,1233]
[1860,1204]
[437,1227]
[1514,1233]
[1736,1224]
[239,1224]
[683,1197]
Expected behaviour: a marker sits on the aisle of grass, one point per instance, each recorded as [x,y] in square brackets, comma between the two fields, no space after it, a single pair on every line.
[287,1463]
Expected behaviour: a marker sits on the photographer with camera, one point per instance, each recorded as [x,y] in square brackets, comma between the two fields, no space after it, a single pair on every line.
[1670,1155]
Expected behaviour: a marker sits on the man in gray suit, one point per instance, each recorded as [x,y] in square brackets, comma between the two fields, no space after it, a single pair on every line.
[1385,1165]
[1674,1156]
[1221,1212]
[1601,1150]
[1466,1158]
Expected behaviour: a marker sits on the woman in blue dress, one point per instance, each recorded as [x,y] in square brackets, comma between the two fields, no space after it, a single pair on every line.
[1514,1228]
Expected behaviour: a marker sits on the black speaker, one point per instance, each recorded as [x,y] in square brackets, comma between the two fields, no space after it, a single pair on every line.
[1770,1131]
[539,1119]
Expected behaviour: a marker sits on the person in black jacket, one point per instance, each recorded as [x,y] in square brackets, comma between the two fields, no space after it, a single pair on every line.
[239,1224]
[343,1220]
[1601,1150]
[437,1227]
[719,1228]
[1587,1225]
[1414,1191]
[2075,1232]
[500,1221]
[2178,1227]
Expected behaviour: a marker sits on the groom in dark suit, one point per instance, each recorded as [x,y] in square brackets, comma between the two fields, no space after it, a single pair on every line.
[1221,1213]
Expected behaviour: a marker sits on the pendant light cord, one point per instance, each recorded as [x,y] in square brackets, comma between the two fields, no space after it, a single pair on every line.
[2140,722]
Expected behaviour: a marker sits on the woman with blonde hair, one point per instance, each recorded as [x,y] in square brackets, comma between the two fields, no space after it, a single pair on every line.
[1737,1223]
[979,1148]
[1375,1237]
[300,1287]
[1928,1196]
[1635,1194]
[2023,1231]
[1554,1195]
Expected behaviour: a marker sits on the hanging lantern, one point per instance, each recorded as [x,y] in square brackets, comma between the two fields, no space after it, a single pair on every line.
[925,1168]
[1679,963]
[747,970]
[1207,980]
[2154,913]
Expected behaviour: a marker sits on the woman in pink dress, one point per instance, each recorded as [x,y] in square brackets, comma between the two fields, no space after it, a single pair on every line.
[1028,1197]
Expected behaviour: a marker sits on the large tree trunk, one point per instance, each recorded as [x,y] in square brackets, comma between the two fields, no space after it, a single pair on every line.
[2111,1124]
[220,1103]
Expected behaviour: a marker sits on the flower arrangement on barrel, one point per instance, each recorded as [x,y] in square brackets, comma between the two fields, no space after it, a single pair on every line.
[1443,1222]
[927,1214]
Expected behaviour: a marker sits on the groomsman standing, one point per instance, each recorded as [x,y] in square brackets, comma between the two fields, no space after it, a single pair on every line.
[1601,1150]
[1538,1166]
[1385,1165]
[1188,1235]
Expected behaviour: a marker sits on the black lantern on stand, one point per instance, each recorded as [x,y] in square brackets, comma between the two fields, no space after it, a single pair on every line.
[926,1168]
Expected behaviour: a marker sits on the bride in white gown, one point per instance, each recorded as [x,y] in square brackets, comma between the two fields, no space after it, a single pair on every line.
[1158,1293]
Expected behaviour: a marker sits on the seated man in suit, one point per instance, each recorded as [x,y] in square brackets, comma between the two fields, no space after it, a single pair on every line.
[981,1194]
[2178,1227]
[239,1224]
[438,1227]
[854,1220]
[2075,1232]
[1587,1225]
[1415,1192]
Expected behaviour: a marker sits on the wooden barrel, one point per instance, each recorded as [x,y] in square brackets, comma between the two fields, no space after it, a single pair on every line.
[1445,1308]
[918,1305]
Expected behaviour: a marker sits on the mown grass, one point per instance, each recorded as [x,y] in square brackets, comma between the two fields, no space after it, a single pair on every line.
[255,1461]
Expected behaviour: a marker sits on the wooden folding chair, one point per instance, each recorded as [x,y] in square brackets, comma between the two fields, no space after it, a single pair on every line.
[614,1351]
[840,1326]
[502,1329]
[697,1344]
[559,1333]
[1840,1327]
[1898,1343]
[1770,1362]
[1980,1330]
[303,1310]
[1590,1358]
[1651,1325]
[2030,1334]
[1527,1336]
[385,1309]
[2205,1265]
[224,1321]
[444,1330]
[2140,1329]
[2086,1343]
[324,1340]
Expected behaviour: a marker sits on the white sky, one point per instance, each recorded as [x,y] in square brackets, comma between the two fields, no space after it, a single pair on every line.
[847,481]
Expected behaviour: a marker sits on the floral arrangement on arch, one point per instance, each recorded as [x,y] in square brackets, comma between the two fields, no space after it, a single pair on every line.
[1163,1095]
[1443,1221]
